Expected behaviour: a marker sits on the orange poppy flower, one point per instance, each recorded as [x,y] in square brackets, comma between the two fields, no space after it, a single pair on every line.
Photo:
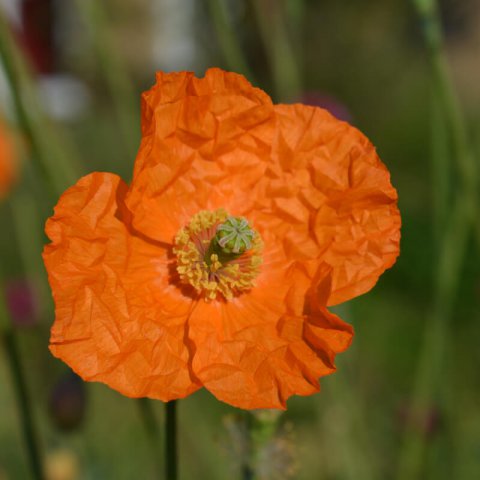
[7,161]
[214,268]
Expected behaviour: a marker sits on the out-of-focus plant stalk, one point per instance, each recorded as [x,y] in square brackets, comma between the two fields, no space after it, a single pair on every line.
[114,72]
[227,40]
[263,427]
[295,11]
[350,426]
[55,157]
[440,168]
[428,381]
[447,115]
[456,225]
[353,462]
[27,223]
[272,24]
[8,337]
[171,454]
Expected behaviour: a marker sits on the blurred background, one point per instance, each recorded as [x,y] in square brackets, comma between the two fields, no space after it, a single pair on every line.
[405,401]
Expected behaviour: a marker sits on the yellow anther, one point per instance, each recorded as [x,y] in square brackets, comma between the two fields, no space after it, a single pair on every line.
[207,272]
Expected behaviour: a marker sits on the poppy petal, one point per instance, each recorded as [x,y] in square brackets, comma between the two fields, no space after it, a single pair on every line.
[118,319]
[252,355]
[257,350]
[337,204]
[200,116]
[200,138]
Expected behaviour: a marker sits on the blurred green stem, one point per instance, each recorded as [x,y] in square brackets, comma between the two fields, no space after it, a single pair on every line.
[122,92]
[247,473]
[263,427]
[171,454]
[440,168]
[228,40]
[55,159]
[272,24]
[455,226]
[151,428]
[21,392]
[27,224]
[446,105]
[350,428]
[427,384]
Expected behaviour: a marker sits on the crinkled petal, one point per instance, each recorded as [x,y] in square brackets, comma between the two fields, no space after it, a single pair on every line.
[256,351]
[201,116]
[202,139]
[331,199]
[118,319]
[314,181]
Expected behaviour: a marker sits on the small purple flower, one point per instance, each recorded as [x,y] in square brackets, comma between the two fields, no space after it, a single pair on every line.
[67,402]
[327,102]
[428,422]
[22,302]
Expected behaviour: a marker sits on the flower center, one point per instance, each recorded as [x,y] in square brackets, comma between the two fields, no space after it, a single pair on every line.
[218,254]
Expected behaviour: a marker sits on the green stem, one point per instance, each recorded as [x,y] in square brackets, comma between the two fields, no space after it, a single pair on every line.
[21,392]
[27,225]
[151,428]
[247,473]
[452,246]
[262,428]
[110,62]
[350,429]
[281,56]
[227,40]
[448,100]
[428,379]
[171,454]
[440,168]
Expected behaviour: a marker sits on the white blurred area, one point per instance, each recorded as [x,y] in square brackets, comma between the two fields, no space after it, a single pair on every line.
[11,9]
[148,35]
[63,96]
[174,46]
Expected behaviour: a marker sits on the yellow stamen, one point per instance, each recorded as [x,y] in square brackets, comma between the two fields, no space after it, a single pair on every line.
[207,272]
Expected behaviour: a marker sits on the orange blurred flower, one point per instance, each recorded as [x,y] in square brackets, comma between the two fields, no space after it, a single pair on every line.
[7,160]
[243,222]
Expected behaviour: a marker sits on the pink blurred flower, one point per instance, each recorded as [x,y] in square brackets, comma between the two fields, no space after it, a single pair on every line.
[67,402]
[22,302]
[328,102]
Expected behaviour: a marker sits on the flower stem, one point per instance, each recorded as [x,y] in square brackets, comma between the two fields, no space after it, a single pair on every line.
[20,386]
[151,428]
[115,74]
[454,227]
[28,236]
[350,425]
[227,40]
[262,429]
[171,454]
[247,473]
[272,24]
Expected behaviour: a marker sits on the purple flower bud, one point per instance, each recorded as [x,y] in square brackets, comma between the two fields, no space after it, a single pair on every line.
[22,303]
[428,422]
[67,403]
[328,102]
